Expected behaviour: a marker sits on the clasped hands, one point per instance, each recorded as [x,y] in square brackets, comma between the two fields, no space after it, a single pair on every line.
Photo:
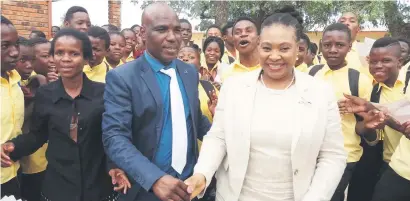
[168,188]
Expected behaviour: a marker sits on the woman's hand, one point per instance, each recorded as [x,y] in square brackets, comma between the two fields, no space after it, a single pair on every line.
[196,184]
[119,178]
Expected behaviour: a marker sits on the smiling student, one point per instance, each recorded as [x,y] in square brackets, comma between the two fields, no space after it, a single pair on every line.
[246,39]
[345,80]
[100,42]
[213,50]
[384,65]
[115,52]
[130,42]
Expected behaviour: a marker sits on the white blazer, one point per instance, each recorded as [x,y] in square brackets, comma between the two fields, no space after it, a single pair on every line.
[318,157]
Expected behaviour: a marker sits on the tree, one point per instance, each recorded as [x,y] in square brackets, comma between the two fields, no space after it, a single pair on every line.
[395,15]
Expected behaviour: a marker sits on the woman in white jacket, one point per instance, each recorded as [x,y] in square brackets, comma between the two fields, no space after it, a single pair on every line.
[277,133]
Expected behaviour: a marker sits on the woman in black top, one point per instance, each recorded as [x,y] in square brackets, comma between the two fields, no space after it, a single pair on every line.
[67,113]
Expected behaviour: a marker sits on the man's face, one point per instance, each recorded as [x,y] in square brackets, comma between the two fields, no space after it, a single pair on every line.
[10,49]
[24,65]
[54,30]
[214,32]
[404,51]
[246,37]
[335,46]
[350,20]
[163,37]
[186,32]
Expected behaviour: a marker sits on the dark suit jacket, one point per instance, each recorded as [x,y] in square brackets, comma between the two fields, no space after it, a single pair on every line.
[132,122]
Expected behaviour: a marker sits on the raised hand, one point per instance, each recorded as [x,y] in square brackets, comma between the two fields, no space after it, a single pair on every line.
[169,188]
[6,149]
[120,179]
[353,104]
[196,184]
[374,119]
[212,102]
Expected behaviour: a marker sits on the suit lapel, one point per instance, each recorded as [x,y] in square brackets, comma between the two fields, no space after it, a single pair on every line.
[151,82]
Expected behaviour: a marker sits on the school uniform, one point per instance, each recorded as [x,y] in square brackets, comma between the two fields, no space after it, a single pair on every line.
[303,67]
[98,72]
[341,83]
[119,64]
[238,68]
[12,118]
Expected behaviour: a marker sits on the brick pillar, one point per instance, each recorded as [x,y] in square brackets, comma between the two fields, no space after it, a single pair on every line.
[28,15]
[114,13]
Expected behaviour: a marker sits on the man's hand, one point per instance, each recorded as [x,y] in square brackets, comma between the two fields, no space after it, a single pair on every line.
[169,188]
[119,178]
[353,104]
[212,102]
[196,184]
[6,149]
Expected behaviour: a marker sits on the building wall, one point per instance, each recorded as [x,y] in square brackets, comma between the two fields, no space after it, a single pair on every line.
[28,15]
[114,13]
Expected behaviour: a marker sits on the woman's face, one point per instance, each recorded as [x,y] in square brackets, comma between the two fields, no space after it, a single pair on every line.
[117,46]
[190,56]
[68,56]
[212,53]
[278,49]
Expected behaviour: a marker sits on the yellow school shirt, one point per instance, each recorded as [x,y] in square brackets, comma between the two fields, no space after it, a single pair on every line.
[400,162]
[403,71]
[97,73]
[236,68]
[203,99]
[25,82]
[12,117]
[230,55]
[36,162]
[302,67]
[130,58]
[339,80]
[119,64]
[391,136]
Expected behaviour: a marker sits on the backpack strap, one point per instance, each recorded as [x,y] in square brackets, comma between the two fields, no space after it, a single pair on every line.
[406,83]
[354,76]
[375,97]
[316,68]
[208,87]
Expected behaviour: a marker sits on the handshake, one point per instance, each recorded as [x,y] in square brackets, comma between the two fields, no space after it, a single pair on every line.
[169,188]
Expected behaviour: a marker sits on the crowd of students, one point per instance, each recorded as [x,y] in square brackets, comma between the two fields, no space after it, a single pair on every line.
[53,101]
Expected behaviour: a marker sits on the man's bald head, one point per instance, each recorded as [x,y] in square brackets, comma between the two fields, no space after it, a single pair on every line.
[161,31]
[156,10]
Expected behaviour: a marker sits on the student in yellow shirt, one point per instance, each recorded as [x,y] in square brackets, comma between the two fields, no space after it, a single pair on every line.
[351,20]
[41,60]
[311,58]
[12,104]
[246,40]
[115,52]
[186,32]
[77,18]
[304,43]
[345,80]
[130,42]
[97,68]
[189,54]
[227,36]
[384,65]
[395,181]
[405,69]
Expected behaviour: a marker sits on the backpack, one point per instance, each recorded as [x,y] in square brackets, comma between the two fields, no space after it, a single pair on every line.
[353,82]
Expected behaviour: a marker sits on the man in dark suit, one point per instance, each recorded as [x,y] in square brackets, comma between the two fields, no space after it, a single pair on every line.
[152,113]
